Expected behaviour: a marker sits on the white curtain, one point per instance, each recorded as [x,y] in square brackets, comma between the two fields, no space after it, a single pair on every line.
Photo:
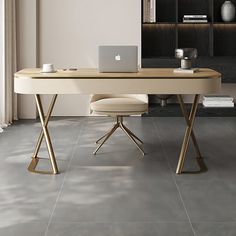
[8,99]
[1,62]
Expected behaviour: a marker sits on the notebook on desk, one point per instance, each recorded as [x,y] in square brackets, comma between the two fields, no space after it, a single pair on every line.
[118,59]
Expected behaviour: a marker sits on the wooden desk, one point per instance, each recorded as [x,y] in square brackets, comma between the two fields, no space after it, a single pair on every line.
[90,81]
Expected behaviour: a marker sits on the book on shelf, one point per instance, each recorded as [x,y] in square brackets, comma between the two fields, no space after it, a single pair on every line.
[149,11]
[194,21]
[196,16]
[217,97]
[217,104]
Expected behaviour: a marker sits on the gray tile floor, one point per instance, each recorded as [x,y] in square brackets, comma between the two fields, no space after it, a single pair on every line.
[117,192]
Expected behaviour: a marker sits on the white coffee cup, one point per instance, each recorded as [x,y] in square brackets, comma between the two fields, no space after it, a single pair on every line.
[47,68]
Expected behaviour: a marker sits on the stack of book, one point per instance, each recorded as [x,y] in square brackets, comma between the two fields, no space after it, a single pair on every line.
[149,11]
[218,101]
[195,19]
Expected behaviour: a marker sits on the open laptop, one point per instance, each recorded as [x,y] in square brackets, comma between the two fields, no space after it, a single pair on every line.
[118,58]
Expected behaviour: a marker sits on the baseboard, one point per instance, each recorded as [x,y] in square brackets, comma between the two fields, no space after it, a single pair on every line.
[173,110]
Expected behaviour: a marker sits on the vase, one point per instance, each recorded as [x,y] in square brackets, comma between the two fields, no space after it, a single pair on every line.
[228,11]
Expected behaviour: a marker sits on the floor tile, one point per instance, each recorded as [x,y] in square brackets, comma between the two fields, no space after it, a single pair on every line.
[22,228]
[80,229]
[154,228]
[215,229]
[120,229]
[113,194]
[177,229]
[209,201]
[28,198]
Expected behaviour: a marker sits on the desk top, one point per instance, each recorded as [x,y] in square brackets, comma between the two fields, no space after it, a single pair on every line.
[90,81]
[93,73]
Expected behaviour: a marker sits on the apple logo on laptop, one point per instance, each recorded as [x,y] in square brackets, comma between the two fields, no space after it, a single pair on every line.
[117,57]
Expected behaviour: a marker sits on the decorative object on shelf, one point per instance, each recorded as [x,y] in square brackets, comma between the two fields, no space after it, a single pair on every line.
[149,11]
[186,55]
[195,19]
[228,11]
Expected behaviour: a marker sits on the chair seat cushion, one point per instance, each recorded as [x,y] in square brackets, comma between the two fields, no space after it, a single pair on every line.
[119,105]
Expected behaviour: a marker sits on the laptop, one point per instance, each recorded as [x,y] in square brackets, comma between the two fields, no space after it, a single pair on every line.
[118,58]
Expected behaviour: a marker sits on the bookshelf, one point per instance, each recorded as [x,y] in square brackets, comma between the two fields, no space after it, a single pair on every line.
[214,40]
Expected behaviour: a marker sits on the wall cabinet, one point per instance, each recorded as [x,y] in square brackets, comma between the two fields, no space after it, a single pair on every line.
[214,40]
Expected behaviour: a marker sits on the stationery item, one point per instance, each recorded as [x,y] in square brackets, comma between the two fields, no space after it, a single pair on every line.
[48,68]
[188,71]
[70,69]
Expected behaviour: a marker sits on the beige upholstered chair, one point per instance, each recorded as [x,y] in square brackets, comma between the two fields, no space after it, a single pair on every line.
[118,106]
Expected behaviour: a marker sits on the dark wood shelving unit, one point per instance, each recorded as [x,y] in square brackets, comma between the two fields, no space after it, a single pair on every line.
[215,40]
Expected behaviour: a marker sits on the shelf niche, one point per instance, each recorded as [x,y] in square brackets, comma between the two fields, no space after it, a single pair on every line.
[166,11]
[158,40]
[195,36]
[194,7]
[224,39]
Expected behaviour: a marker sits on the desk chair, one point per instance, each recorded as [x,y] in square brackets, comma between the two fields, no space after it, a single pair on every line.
[119,106]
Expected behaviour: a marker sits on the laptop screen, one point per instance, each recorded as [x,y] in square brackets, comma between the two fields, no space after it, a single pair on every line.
[118,58]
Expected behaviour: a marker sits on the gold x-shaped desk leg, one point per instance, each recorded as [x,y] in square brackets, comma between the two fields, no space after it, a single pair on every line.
[44,134]
[189,133]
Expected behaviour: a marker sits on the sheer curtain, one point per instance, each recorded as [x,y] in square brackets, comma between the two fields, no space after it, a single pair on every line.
[1,62]
[8,35]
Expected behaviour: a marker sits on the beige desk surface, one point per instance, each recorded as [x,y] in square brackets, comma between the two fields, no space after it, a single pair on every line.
[93,73]
[90,81]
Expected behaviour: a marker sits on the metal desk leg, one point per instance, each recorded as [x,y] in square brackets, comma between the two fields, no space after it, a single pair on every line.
[44,134]
[189,133]
[185,114]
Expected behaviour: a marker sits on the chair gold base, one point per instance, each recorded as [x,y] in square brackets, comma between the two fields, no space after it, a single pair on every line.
[128,132]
